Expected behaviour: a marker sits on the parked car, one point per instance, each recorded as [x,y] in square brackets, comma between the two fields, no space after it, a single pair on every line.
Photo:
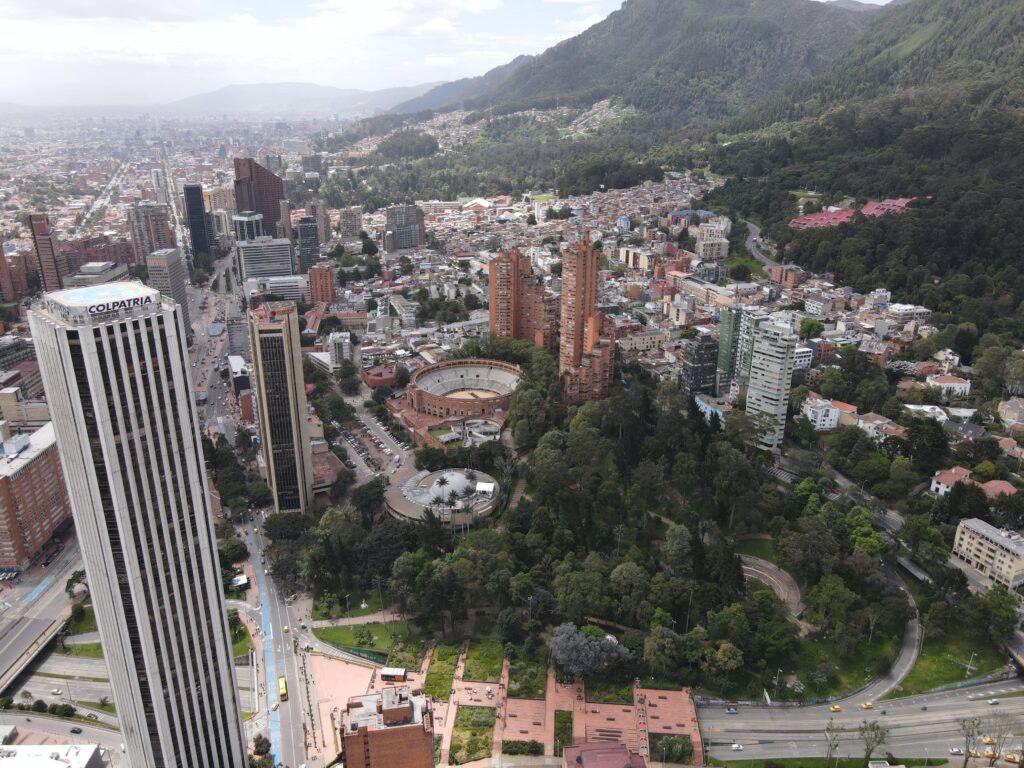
[737,747]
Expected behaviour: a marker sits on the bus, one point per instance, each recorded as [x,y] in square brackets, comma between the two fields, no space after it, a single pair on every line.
[282,689]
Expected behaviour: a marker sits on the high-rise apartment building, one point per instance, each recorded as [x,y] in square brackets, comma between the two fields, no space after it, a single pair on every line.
[350,222]
[387,729]
[50,262]
[198,221]
[264,257]
[750,318]
[280,391]
[586,355]
[116,373]
[318,210]
[728,345]
[771,373]
[221,199]
[151,230]
[159,180]
[321,284]
[520,307]
[406,227]
[248,225]
[308,243]
[168,273]
[699,368]
[33,496]
[259,190]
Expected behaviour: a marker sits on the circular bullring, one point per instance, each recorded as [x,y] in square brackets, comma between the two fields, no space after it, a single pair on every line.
[472,387]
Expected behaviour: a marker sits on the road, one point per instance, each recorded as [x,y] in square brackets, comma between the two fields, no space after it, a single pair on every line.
[753,239]
[59,732]
[919,726]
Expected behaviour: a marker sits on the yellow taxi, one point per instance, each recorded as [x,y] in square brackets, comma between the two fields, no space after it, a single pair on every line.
[867,705]
[973,753]
[1012,758]
[835,708]
[991,754]
[286,629]
[988,740]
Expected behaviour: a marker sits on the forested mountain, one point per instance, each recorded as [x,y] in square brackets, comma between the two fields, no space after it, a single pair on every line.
[704,59]
[466,89]
[929,104]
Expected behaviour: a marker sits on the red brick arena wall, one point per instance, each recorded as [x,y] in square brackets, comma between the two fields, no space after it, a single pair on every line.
[446,378]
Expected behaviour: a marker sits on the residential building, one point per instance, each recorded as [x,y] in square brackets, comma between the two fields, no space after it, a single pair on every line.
[405,227]
[350,223]
[750,318]
[308,243]
[340,347]
[50,262]
[264,257]
[997,554]
[284,223]
[198,221]
[33,497]
[248,225]
[728,345]
[97,273]
[221,199]
[259,190]
[280,394]
[318,210]
[953,387]
[321,284]
[788,276]
[519,305]
[285,288]
[802,358]
[168,273]
[944,479]
[824,416]
[150,228]
[771,372]
[578,301]
[713,249]
[387,729]
[698,372]
[119,386]
[404,309]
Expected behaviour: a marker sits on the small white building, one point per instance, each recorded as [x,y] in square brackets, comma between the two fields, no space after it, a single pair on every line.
[944,480]
[951,386]
[821,413]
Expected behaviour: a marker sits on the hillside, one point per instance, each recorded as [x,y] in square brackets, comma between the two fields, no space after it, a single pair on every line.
[705,59]
[929,104]
[459,91]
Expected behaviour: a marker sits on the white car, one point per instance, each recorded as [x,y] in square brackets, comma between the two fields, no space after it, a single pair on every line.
[993,701]
[737,747]
[955,751]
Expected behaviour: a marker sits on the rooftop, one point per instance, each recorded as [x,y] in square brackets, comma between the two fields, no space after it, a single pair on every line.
[50,756]
[1009,540]
[21,450]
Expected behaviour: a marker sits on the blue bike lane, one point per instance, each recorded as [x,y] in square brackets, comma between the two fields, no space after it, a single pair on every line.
[269,661]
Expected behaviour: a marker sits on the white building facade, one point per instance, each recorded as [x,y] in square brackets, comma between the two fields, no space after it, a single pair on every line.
[116,373]
[771,371]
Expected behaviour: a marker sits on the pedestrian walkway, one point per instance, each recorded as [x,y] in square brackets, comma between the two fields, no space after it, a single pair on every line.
[448,727]
[501,712]
[388,614]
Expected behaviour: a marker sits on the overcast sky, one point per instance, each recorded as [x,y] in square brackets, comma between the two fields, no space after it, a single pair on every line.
[145,51]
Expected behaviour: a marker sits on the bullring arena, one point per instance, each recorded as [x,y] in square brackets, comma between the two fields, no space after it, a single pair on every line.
[473,387]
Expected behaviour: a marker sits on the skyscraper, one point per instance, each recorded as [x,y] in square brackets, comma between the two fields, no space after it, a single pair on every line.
[321,284]
[284,223]
[405,227]
[150,227]
[586,356]
[198,225]
[520,307]
[248,225]
[280,391]
[697,374]
[257,189]
[309,243]
[52,265]
[771,374]
[117,379]
[168,273]
[318,210]
[350,222]
[264,257]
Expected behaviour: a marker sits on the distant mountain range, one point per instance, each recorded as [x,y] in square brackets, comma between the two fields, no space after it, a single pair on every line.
[700,59]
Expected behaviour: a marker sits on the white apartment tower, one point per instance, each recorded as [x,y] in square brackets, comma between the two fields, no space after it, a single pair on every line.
[168,273]
[115,368]
[771,372]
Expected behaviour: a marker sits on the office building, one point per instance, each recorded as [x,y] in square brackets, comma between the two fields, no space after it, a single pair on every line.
[115,369]
[159,180]
[198,221]
[280,393]
[50,262]
[308,243]
[350,223]
[150,227]
[318,210]
[264,257]
[284,223]
[221,199]
[519,305]
[405,228]
[259,190]
[289,288]
[169,275]
[321,284]
[387,729]
[97,273]
[51,755]
[339,347]
[997,554]
[771,373]
[698,372]
[248,225]
[587,345]
[33,497]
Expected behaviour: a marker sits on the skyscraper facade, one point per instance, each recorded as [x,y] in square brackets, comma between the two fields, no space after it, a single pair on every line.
[248,225]
[318,210]
[151,230]
[771,373]
[264,257]
[168,274]
[280,391]
[586,356]
[52,265]
[520,307]
[116,373]
[350,222]
[406,227]
[309,243]
[698,370]
[198,224]
[321,284]
[257,189]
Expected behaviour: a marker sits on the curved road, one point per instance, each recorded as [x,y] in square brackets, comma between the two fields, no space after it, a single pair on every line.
[753,235]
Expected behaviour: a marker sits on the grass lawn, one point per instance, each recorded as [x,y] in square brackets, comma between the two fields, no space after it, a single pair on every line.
[937,665]
[109,707]
[332,607]
[438,684]
[483,661]
[563,731]
[756,269]
[853,671]
[527,679]
[86,623]
[373,637]
[84,650]
[241,641]
[817,762]
[471,739]
[763,548]
[609,691]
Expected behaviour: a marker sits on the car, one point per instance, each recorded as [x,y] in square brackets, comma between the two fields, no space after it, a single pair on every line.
[993,701]
[867,705]
[76,729]
[991,754]
[56,692]
[737,747]
[973,753]
[1012,757]
[266,572]
[955,751]
[835,708]
[731,710]
[276,705]
[988,740]
[286,629]
[93,716]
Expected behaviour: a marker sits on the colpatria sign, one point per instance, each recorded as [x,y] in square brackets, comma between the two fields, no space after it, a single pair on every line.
[117,304]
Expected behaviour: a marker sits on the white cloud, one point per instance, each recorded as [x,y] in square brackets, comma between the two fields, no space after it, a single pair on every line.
[436,26]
